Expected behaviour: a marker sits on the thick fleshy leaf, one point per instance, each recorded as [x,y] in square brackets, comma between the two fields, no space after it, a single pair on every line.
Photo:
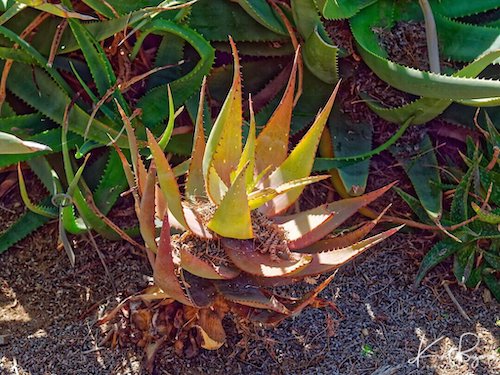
[345,240]
[306,228]
[165,275]
[299,163]
[260,197]
[232,218]
[216,188]
[207,270]
[248,155]
[195,184]
[195,223]
[249,295]
[328,260]
[10,144]
[146,214]
[167,180]
[271,148]
[247,258]
[224,145]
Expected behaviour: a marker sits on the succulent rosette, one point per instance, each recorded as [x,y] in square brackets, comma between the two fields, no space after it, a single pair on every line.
[234,241]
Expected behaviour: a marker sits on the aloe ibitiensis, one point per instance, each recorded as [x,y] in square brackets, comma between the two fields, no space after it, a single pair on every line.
[234,240]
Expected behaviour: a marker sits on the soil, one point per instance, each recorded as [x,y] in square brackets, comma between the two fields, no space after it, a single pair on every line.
[48,314]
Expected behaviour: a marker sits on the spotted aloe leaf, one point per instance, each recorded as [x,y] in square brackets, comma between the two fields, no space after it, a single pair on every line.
[224,145]
[299,163]
[232,217]
[247,257]
[328,260]
[308,227]
[271,148]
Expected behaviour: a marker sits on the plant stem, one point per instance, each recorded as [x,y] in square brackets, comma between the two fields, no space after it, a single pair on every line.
[431,35]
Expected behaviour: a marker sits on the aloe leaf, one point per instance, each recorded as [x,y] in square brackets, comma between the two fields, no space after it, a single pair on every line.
[407,79]
[232,217]
[23,227]
[195,184]
[247,258]
[414,204]
[487,217]
[146,214]
[95,57]
[459,210]
[426,109]
[165,271]
[325,164]
[306,16]
[350,139]
[260,197]
[307,227]
[448,8]
[49,99]
[111,184]
[249,295]
[345,240]
[232,20]
[321,57]
[262,12]
[205,269]
[271,148]
[168,182]
[299,163]
[328,260]
[340,9]
[421,166]
[248,154]
[153,103]
[492,283]
[56,9]
[436,255]
[464,262]
[224,145]
[10,144]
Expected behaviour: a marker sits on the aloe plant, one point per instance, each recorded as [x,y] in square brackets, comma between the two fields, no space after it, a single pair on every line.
[234,240]
[473,219]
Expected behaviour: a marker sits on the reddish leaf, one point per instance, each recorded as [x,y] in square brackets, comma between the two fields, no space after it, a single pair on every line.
[165,275]
[271,148]
[244,255]
[205,269]
[327,261]
[305,228]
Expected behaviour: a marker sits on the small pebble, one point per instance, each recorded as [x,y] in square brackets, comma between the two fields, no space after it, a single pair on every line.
[365,332]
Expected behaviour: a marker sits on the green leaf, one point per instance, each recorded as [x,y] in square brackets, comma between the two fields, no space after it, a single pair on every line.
[436,255]
[421,166]
[10,144]
[232,218]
